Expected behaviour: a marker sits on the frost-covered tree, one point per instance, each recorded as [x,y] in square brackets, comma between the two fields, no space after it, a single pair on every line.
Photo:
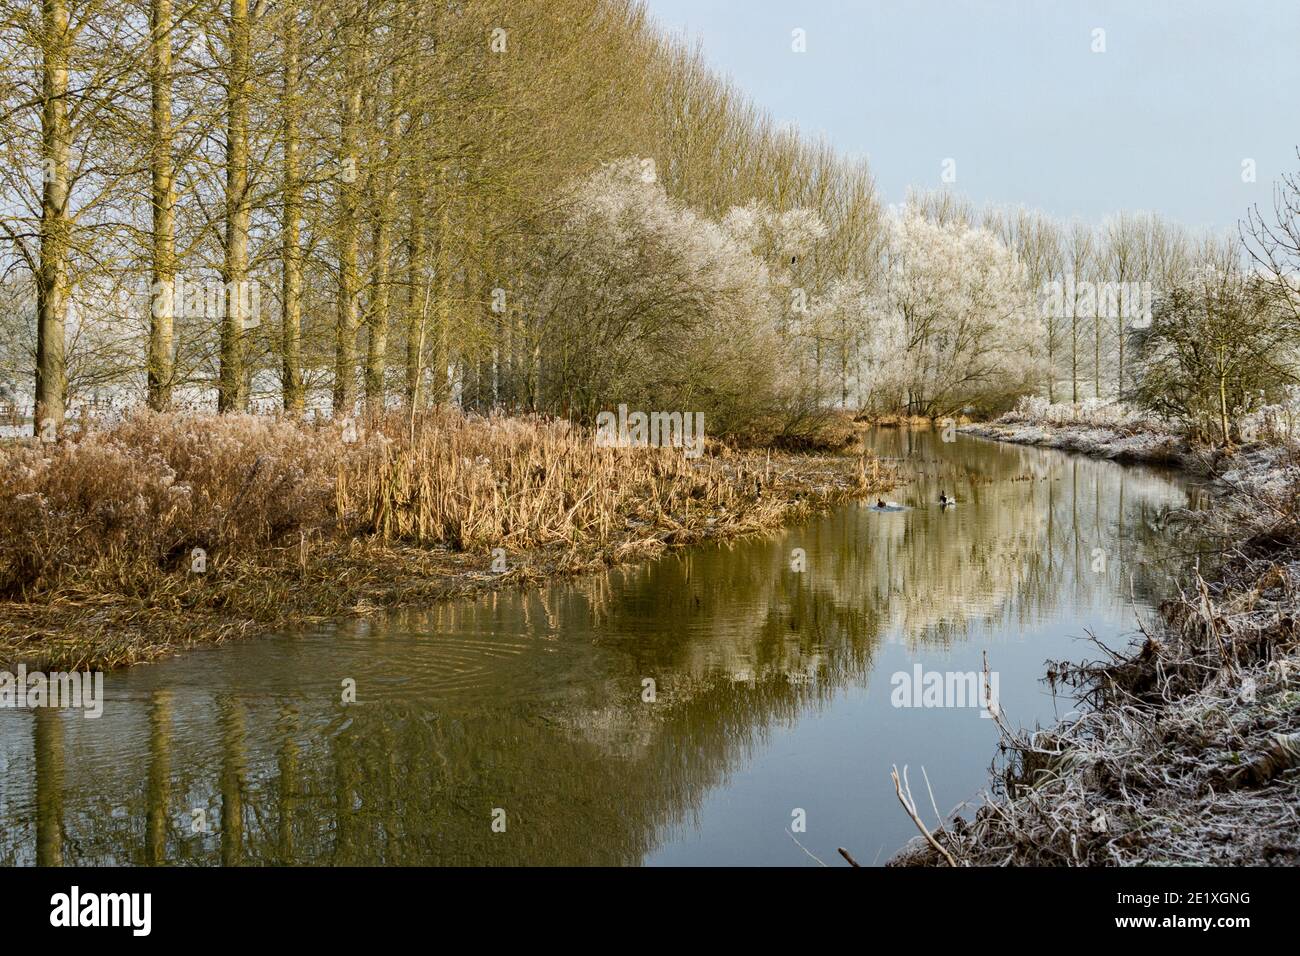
[815,304]
[1218,348]
[840,319]
[636,298]
[957,325]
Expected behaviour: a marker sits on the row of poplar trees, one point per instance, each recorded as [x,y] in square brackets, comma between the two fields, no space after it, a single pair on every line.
[376,167]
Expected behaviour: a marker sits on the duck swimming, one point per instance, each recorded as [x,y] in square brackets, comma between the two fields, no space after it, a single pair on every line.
[880,502]
[945,501]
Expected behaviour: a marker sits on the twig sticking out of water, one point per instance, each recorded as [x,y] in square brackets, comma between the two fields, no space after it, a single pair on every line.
[904,791]
[820,861]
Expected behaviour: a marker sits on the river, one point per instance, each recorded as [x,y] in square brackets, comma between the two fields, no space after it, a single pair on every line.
[700,709]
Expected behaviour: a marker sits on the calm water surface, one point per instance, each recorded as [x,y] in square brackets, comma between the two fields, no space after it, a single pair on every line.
[772,694]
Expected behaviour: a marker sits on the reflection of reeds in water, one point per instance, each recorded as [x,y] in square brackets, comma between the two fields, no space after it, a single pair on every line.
[558,734]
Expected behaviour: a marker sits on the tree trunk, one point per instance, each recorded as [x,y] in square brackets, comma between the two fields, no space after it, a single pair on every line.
[439,357]
[1223,409]
[56,225]
[381,291]
[415,291]
[1074,355]
[291,278]
[1096,354]
[162,310]
[230,387]
[1051,365]
[377,319]
[1119,374]
[349,310]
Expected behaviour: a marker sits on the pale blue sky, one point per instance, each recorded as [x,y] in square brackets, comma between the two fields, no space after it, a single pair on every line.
[1012,91]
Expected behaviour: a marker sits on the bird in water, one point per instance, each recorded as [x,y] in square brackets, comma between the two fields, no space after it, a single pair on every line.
[880,502]
[945,501]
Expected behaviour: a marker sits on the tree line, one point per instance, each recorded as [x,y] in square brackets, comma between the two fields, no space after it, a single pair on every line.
[546,206]
[384,171]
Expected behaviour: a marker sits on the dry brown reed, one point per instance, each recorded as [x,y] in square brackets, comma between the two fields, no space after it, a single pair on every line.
[298,521]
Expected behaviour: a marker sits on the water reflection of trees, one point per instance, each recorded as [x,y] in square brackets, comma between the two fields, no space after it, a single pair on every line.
[532,702]
[1022,540]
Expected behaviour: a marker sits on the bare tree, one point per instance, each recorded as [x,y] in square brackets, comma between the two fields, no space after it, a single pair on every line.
[1274,245]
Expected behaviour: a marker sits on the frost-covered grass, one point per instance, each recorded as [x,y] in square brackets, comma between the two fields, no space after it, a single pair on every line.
[1188,748]
[1097,428]
[1278,423]
[1113,430]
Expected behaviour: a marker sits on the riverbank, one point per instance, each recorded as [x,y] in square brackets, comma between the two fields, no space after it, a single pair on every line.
[1187,749]
[1139,447]
[166,531]
[1099,429]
